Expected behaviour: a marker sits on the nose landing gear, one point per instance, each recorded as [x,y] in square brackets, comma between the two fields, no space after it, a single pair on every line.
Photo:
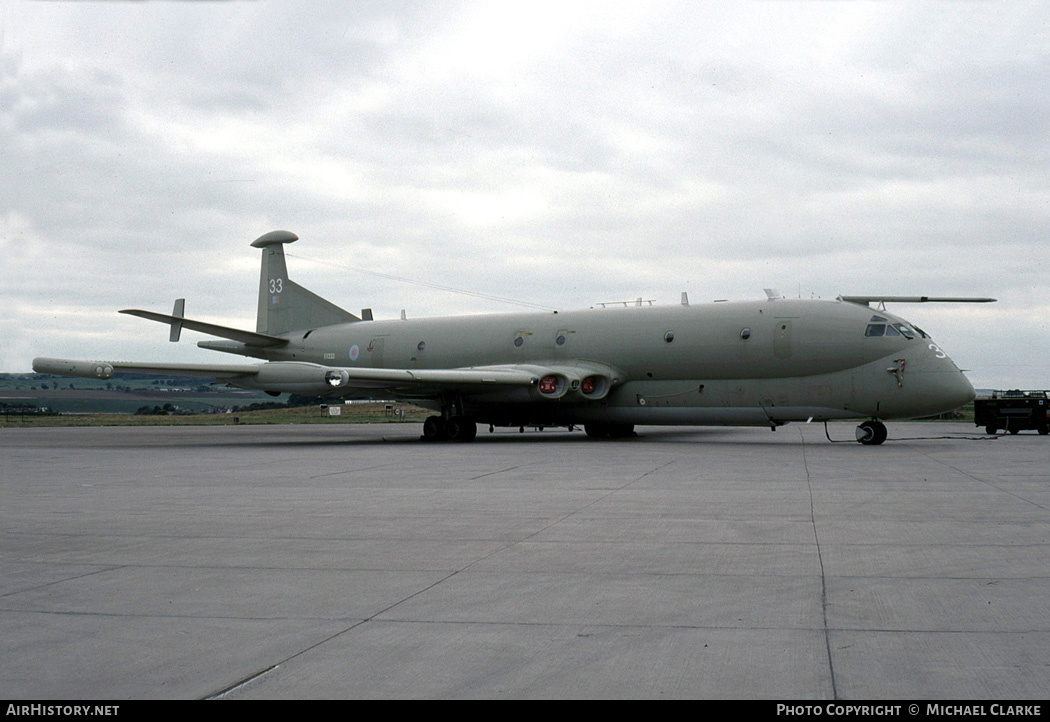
[871,433]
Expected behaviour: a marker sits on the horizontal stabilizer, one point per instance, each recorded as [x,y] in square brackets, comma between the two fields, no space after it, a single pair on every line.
[235,334]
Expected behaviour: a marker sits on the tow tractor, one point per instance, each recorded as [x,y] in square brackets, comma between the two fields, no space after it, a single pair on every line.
[1012,411]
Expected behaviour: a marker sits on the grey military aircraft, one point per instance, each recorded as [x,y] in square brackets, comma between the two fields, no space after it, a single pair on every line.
[748,363]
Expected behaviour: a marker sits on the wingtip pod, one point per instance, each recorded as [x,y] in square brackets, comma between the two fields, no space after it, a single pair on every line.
[66,367]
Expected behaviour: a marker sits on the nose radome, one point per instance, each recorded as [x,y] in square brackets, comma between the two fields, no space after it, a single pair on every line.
[945,391]
[945,387]
[961,390]
[928,389]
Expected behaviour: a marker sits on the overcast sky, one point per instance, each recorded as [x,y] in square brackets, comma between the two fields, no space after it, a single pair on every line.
[557,154]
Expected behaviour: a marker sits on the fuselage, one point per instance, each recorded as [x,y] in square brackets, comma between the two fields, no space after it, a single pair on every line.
[760,362]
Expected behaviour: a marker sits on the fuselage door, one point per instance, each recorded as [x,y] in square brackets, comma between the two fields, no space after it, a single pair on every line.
[374,352]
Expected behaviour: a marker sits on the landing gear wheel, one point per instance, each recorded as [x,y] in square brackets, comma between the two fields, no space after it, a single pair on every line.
[609,431]
[461,428]
[434,429]
[871,433]
[595,431]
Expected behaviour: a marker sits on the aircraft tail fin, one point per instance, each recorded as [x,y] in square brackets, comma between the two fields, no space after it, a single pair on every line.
[285,306]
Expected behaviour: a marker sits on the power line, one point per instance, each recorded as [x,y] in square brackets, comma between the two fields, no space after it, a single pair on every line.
[426,284]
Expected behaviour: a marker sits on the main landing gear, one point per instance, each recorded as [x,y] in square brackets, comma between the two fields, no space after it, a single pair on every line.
[871,433]
[454,428]
[609,431]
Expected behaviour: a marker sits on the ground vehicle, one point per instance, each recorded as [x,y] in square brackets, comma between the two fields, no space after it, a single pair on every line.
[1013,411]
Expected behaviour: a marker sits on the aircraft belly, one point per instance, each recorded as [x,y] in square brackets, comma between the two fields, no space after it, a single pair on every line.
[829,391]
[727,416]
[725,402]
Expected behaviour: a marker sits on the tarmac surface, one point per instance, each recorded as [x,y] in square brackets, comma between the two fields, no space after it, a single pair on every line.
[359,562]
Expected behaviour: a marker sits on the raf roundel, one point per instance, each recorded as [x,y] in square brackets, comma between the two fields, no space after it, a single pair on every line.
[354,351]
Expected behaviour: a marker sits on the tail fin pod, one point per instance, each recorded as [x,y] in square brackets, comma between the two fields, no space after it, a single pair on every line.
[285,306]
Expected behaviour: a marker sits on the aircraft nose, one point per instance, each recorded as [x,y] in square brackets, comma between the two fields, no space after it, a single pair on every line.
[944,388]
[930,384]
[957,389]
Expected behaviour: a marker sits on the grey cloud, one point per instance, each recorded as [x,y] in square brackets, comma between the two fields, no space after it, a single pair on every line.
[821,148]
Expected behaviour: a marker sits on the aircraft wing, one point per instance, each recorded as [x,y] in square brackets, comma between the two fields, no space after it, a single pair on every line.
[301,377]
[587,379]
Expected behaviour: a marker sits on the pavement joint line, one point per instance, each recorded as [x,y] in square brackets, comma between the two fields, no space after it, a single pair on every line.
[244,682]
[91,573]
[820,560]
[985,482]
[951,567]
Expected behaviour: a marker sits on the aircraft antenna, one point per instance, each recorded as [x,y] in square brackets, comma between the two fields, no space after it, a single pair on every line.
[425,284]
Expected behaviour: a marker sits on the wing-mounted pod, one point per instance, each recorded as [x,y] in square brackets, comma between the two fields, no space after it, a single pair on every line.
[295,377]
[68,367]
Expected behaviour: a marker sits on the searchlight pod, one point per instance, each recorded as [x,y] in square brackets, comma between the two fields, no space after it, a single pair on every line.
[305,378]
[337,378]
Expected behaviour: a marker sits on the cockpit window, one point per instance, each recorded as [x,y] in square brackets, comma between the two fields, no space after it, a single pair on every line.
[877,319]
[891,329]
[905,330]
